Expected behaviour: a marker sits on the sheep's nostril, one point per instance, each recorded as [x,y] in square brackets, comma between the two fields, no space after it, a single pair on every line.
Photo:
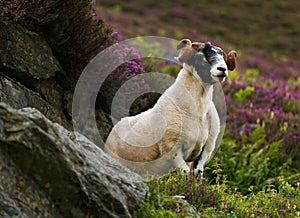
[223,69]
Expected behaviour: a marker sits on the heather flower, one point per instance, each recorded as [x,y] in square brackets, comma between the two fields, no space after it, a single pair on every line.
[282,211]
[259,211]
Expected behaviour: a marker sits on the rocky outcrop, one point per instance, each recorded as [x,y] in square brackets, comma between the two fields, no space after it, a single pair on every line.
[47,171]
[30,76]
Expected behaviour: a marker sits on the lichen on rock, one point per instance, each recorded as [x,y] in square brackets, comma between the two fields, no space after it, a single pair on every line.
[25,55]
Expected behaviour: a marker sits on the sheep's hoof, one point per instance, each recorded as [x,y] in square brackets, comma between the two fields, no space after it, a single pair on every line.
[185,172]
[198,173]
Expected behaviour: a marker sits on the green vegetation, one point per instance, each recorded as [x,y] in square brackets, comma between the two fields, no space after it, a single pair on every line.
[218,199]
[251,180]
[242,94]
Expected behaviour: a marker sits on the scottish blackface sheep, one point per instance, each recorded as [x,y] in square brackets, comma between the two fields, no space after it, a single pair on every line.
[180,131]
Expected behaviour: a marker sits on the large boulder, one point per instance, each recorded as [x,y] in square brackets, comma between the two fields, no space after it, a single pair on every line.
[18,96]
[47,171]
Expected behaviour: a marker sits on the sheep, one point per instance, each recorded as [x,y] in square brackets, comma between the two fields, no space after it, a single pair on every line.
[180,131]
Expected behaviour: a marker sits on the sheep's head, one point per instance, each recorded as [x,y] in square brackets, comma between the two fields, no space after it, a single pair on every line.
[210,62]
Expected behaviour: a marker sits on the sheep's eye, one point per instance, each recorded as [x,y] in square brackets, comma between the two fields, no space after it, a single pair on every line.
[222,53]
[219,51]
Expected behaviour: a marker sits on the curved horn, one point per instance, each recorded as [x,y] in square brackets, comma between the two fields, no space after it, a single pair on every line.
[183,43]
[186,46]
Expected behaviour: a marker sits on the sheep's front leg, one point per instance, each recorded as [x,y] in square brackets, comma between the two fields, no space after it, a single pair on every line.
[178,162]
[205,154]
[202,159]
[209,146]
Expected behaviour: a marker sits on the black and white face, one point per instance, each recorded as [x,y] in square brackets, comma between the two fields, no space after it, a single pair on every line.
[209,63]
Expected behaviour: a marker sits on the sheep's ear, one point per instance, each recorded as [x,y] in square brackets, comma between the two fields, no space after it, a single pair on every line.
[230,60]
[186,50]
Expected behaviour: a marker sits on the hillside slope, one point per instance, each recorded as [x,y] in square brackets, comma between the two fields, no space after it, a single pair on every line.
[266,29]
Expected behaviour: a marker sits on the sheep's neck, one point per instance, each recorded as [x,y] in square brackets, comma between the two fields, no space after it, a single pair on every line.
[200,93]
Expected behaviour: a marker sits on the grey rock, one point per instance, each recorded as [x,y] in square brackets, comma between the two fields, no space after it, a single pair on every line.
[51,92]
[66,174]
[68,99]
[19,96]
[19,196]
[184,205]
[25,55]
[104,123]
